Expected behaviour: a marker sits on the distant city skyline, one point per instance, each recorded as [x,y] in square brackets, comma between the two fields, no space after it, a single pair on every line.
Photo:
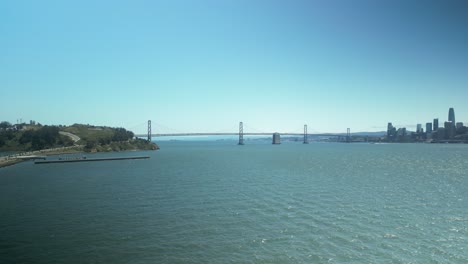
[450,132]
[434,124]
[204,66]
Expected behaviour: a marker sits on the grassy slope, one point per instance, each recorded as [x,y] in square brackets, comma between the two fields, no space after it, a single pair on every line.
[92,133]
[89,132]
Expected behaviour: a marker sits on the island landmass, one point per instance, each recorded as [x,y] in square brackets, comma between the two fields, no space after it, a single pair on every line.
[20,141]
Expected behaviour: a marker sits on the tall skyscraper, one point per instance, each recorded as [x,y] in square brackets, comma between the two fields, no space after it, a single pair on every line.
[436,124]
[391,132]
[418,128]
[389,129]
[428,128]
[449,130]
[451,116]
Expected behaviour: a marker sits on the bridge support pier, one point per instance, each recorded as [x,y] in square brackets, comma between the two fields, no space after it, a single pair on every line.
[149,130]
[348,135]
[306,140]
[276,138]
[241,133]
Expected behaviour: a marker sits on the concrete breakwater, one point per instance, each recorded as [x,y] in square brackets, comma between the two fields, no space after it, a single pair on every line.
[90,159]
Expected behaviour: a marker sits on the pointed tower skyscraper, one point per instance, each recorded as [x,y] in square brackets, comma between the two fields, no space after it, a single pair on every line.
[451,116]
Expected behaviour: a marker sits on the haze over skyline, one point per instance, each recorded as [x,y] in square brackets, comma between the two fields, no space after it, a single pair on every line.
[203,66]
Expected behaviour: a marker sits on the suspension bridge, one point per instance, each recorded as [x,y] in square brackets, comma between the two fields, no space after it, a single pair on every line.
[241,134]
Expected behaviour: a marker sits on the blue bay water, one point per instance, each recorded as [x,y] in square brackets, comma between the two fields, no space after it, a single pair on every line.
[216,202]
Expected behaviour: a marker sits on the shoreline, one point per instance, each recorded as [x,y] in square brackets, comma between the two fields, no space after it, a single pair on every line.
[9,162]
[12,160]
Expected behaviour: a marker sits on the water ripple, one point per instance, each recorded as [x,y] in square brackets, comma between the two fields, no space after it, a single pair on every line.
[320,203]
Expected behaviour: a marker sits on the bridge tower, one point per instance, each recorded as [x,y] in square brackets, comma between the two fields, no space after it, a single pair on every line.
[149,130]
[306,140]
[348,135]
[241,133]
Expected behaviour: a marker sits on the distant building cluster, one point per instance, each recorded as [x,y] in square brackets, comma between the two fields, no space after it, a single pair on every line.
[450,132]
[20,125]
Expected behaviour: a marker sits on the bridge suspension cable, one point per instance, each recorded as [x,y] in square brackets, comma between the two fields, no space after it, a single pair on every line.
[255,130]
[138,127]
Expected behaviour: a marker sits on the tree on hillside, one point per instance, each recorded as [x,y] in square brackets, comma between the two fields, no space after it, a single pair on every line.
[121,134]
[45,137]
[90,144]
[26,137]
[4,125]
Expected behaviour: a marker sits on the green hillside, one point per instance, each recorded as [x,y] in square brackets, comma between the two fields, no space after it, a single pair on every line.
[25,137]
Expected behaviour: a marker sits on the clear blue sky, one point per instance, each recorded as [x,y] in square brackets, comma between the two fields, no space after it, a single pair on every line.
[203,66]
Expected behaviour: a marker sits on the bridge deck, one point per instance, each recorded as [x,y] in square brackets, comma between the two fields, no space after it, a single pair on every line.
[235,134]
